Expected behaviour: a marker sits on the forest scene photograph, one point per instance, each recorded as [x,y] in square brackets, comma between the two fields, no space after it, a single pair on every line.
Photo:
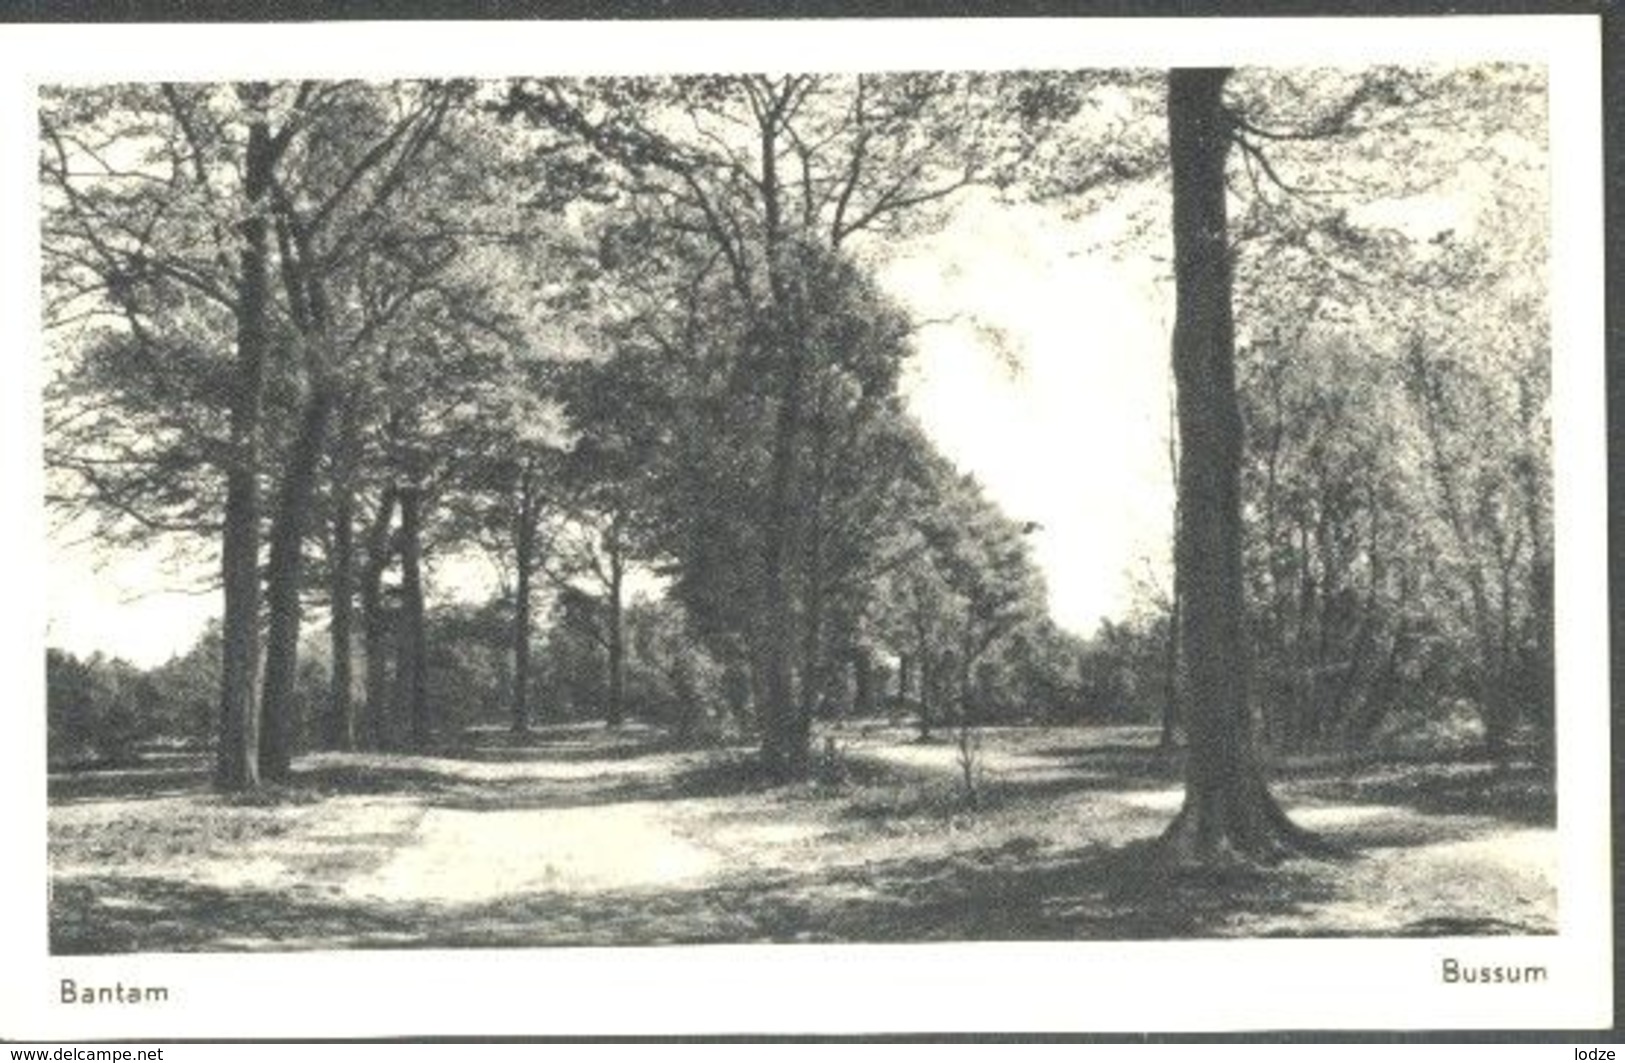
[1018,505]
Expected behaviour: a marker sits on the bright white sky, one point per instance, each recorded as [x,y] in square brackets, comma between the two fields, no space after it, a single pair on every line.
[1071,432]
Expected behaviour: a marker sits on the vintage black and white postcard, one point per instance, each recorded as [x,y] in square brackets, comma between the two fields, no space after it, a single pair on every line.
[804,527]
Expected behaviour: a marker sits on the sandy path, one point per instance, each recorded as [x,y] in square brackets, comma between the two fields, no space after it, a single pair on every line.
[466,857]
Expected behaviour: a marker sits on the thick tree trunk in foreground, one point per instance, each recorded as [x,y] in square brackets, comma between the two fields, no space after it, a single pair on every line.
[237,756]
[284,577]
[1229,813]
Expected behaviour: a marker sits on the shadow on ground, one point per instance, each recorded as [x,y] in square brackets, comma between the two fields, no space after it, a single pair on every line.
[1520,794]
[1011,892]
[1016,876]
[154,776]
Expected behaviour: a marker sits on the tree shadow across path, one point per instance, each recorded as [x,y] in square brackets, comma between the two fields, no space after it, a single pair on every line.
[508,845]
[1004,893]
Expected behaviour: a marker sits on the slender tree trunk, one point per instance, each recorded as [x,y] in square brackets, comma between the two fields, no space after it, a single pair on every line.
[616,714]
[375,634]
[237,756]
[815,666]
[965,695]
[863,683]
[412,667]
[340,732]
[307,298]
[927,683]
[1228,810]
[375,731]
[284,578]
[814,675]
[375,649]
[524,561]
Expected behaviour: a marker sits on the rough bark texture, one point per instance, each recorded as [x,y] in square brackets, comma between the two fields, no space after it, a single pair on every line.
[284,579]
[1229,813]
[237,755]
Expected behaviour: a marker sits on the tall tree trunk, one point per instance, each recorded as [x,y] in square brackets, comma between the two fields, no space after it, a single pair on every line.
[340,732]
[965,697]
[814,684]
[863,683]
[784,742]
[1228,810]
[284,577]
[375,722]
[1171,714]
[616,714]
[412,677]
[375,709]
[786,732]
[815,671]
[784,747]
[524,561]
[307,298]
[237,755]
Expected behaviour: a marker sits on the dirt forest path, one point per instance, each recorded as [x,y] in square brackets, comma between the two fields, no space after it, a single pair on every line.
[581,836]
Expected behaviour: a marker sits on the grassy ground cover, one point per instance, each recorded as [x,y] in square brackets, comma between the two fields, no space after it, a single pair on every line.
[575,835]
